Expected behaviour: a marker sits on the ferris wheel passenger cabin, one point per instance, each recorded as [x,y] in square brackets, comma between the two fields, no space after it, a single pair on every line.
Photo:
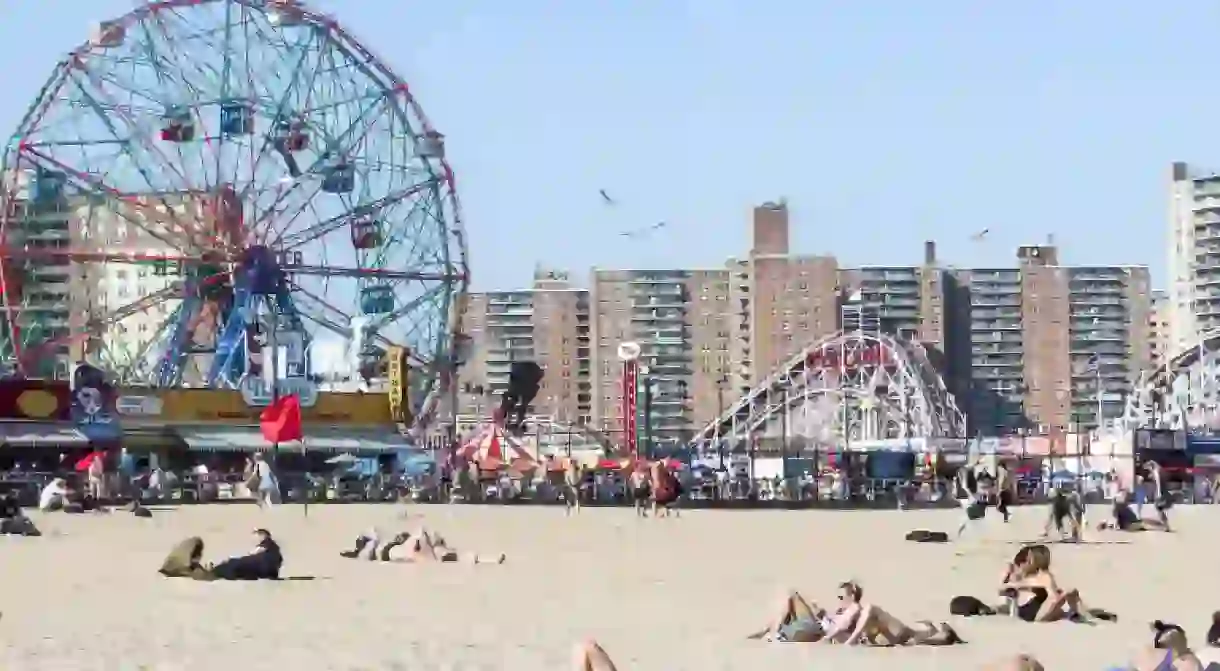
[236,118]
[377,300]
[285,13]
[177,125]
[430,145]
[108,35]
[366,233]
[339,178]
[290,135]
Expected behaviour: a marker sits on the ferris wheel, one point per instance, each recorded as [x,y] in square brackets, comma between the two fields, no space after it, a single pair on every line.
[208,182]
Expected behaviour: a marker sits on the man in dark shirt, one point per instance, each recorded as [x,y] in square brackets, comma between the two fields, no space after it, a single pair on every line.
[263,563]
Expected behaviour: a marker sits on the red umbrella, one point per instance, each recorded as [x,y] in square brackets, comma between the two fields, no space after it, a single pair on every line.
[87,461]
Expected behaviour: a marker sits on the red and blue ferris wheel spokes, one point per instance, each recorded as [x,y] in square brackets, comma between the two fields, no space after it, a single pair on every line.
[263,161]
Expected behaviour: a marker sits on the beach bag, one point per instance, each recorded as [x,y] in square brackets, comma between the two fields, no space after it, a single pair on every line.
[976,511]
[968,606]
[925,536]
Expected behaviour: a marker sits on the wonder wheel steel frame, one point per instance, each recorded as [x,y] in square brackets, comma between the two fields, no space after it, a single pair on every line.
[848,387]
[204,178]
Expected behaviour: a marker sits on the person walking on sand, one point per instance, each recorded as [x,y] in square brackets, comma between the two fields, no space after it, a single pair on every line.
[1162,500]
[571,487]
[268,485]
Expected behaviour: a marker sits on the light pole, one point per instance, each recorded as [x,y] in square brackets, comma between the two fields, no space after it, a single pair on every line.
[720,383]
[646,383]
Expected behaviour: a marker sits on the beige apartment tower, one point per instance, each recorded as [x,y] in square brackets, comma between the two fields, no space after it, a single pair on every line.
[1051,346]
[678,317]
[547,323]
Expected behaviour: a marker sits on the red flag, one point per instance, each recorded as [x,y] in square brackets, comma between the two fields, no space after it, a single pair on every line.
[281,421]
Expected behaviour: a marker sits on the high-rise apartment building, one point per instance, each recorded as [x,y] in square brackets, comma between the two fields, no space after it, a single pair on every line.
[1051,345]
[679,319]
[1194,256]
[548,323]
[1032,346]
[781,302]
[1158,330]
[40,220]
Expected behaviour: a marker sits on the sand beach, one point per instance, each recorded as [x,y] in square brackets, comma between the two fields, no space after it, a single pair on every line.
[661,595]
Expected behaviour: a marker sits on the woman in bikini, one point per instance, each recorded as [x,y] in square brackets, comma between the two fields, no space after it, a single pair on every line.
[1037,596]
[855,622]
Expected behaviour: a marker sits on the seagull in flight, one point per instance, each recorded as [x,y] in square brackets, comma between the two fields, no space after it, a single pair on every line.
[642,232]
[606,197]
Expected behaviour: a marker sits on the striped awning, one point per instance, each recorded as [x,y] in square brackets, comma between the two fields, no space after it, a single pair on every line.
[40,434]
[325,440]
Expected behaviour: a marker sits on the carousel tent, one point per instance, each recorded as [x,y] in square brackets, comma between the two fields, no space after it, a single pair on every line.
[491,448]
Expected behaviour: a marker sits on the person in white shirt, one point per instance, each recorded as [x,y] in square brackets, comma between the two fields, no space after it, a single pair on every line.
[54,495]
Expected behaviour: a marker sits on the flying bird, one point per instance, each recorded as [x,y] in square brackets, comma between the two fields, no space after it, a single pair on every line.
[981,235]
[606,197]
[641,232]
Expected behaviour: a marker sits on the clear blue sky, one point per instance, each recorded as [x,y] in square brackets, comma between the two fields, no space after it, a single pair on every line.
[883,122]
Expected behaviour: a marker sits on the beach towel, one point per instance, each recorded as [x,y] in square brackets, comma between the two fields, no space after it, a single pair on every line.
[925,536]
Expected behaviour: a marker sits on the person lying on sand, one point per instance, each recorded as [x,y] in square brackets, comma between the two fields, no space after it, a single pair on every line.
[854,623]
[262,563]
[795,621]
[1124,518]
[589,656]
[185,560]
[421,546]
[1038,597]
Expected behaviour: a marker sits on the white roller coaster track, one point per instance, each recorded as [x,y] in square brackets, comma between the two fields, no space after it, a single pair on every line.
[855,385]
[1182,394]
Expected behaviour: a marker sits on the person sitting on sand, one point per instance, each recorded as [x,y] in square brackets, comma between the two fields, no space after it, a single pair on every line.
[1037,595]
[589,656]
[1169,651]
[421,546]
[13,521]
[186,561]
[261,563]
[54,496]
[1123,517]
